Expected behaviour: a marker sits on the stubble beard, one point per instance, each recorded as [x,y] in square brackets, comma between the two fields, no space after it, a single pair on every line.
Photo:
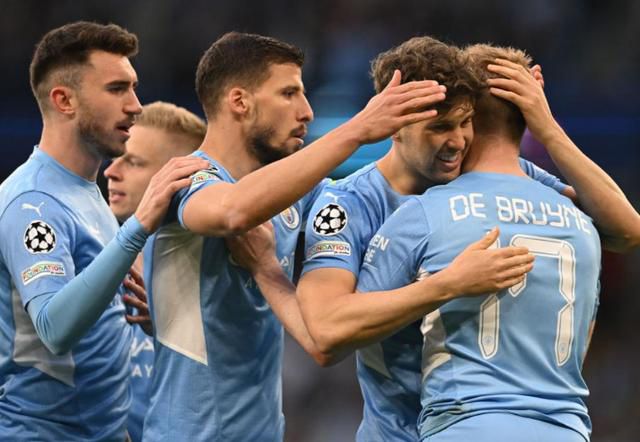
[95,138]
[262,149]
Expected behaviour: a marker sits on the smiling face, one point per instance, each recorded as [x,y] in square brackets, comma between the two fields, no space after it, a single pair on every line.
[281,112]
[433,150]
[107,103]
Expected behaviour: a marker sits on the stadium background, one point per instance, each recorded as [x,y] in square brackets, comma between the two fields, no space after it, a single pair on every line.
[591,62]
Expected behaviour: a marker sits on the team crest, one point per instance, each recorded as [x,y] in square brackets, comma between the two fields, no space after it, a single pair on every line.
[39,238]
[330,220]
[290,217]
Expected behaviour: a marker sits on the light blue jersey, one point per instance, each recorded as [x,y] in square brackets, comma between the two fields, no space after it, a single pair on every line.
[519,351]
[53,223]
[141,370]
[217,372]
[345,218]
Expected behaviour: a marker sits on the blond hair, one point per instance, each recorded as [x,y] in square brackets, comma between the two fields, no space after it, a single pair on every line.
[174,119]
[494,114]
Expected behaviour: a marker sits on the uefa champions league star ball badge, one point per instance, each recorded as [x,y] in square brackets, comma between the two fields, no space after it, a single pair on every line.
[39,238]
[330,220]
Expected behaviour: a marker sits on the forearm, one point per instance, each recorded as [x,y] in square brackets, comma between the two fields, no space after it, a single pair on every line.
[350,321]
[280,293]
[260,195]
[62,319]
[597,192]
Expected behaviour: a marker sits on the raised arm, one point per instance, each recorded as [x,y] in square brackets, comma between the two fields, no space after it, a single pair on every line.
[227,208]
[618,222]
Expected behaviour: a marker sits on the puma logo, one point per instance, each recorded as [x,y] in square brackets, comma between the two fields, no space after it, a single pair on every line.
[27,206]
[331,195]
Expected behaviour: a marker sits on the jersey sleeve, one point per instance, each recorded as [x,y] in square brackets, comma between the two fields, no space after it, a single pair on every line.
[199,181]
[542,176]
[337,232]
[393,256]
[36,241]
[309,199]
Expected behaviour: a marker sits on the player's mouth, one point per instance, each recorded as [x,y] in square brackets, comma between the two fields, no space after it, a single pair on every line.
[450,159]
[116,196]
[299,134]
[124,128]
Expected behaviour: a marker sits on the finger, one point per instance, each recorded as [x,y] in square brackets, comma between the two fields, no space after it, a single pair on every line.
[422,101]
[516,272]
[509,251]
[510,64]
[396,79]
[416,117]
[507,283]
[137,276]
[135,289]
[131,319]
[135,302]
[415,85]
[486,241]
[506,84]
[506,95]
[514,261]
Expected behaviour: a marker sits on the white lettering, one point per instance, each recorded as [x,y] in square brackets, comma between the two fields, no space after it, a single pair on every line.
[456,213]
[476,205]
[505,212]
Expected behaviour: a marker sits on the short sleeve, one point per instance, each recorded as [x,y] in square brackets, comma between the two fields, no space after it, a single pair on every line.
[337,232]
[199,180]
[542,176]
[37,237]
[394,253]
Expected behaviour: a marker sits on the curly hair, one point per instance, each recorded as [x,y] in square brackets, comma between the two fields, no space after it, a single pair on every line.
[425,58]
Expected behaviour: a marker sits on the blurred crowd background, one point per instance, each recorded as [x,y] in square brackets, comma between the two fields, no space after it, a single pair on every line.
[591,63]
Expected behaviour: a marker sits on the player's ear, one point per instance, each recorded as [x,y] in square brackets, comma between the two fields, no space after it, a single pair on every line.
[239,101]
[397,137]
[63,100]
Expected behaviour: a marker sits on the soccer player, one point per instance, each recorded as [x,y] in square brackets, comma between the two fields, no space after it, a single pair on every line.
[218,344]
[341,320]
[64,347]
[423,154]
[161,132]
[505,366]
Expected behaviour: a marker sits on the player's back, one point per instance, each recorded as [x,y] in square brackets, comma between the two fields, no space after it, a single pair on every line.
[521,350]
[82,394]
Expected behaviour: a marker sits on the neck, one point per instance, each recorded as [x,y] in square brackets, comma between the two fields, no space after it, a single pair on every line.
[400,176]
[64,145]
[493,153]
[226,142]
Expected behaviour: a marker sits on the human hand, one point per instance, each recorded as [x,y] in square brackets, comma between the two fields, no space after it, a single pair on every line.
[173,176]
[254,249]
[483,268]
[398,105]
[525,91]
[536,72]
[135,285]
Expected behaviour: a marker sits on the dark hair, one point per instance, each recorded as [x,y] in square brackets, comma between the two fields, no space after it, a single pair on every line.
[493,113]
[239,59]
[425,58]
[64,49]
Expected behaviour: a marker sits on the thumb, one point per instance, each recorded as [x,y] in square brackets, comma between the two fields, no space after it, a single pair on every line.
[395,79]
[487,240]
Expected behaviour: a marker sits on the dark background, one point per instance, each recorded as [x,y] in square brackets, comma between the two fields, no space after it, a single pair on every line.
[591,62]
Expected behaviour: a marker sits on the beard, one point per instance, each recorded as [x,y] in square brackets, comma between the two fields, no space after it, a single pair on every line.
[262,149]
[94,136]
